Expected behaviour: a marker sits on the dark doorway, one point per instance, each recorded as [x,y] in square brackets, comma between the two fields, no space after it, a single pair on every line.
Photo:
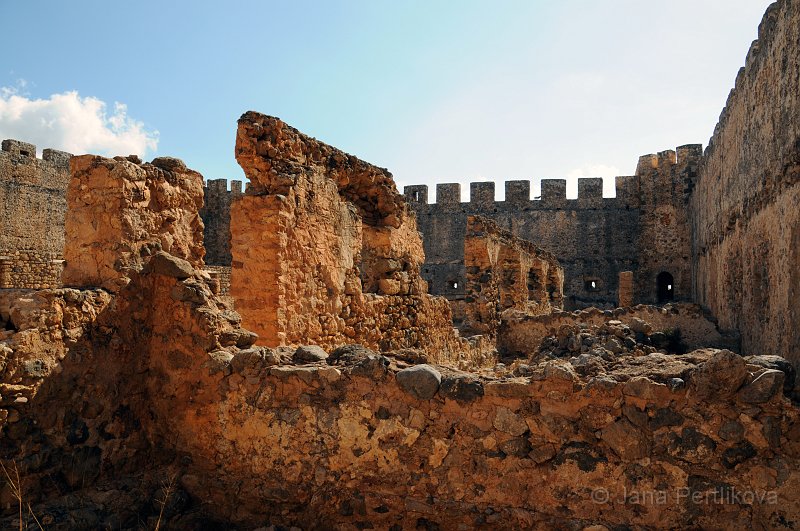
[665,287]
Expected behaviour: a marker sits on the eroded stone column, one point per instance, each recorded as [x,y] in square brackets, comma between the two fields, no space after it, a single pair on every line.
[5,272]
[625,288]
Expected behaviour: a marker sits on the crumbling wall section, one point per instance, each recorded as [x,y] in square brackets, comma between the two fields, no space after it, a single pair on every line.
[122,211]
[32,210]
[745,216]
[365,442]
[326,251]
[521,335]
[505,272]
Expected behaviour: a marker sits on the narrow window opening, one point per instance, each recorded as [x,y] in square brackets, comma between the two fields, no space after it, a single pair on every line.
[24,153]
[592,284]
[665,287]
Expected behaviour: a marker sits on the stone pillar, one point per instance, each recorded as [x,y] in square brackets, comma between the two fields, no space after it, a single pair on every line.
[625,288]
[5,272]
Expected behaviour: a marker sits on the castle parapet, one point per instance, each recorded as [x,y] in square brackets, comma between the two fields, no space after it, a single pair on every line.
[217,186]
[59,158]
[590,193]
[417,193]
[481,194]
[448,194]
[554,193]
[689,153]
[518,192]
[20,149]
[647,163]
[627,187]
[25,153]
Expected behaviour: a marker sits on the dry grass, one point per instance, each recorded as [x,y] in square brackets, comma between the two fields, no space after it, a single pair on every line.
[15,484]
[167,488]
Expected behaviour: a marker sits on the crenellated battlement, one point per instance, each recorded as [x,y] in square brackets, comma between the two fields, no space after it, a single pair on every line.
[18,152]
[518,194]
[554,191]
[33,197]
[219,187]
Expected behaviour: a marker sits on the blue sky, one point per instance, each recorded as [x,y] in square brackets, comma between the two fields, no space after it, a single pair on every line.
[435,91]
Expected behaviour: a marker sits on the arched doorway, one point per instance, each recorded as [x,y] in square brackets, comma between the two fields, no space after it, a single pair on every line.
[665,287]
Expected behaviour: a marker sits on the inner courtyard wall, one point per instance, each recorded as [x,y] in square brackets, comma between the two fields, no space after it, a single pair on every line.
[745,208]
[644,229]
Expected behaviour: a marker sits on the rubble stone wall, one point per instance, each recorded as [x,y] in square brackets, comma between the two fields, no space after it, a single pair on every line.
[505,272]
[122,211]
[326,251]
[332,443]
[27,268]
[745,215]
[32,209]
[522,334]
[644,229]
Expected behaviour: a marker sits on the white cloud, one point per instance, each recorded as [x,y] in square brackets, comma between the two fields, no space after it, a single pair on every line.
[73,123]
[593,170]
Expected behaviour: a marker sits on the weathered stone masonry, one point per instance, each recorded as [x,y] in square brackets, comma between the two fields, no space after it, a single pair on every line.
[32,207]
[746,206]
[106,394]
[505,273]
[644,229]
[326,251]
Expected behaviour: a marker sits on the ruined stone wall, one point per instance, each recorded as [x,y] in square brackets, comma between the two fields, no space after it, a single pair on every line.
[325,250]
[32,209]
[216,214]
[504,272]
[745,215]
[122,211]
[364,449]
[156,381]
[644,229]
[522,334]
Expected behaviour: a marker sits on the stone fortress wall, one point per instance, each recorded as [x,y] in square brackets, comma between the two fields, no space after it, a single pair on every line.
[644,229]
[32,208]
[745,211]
